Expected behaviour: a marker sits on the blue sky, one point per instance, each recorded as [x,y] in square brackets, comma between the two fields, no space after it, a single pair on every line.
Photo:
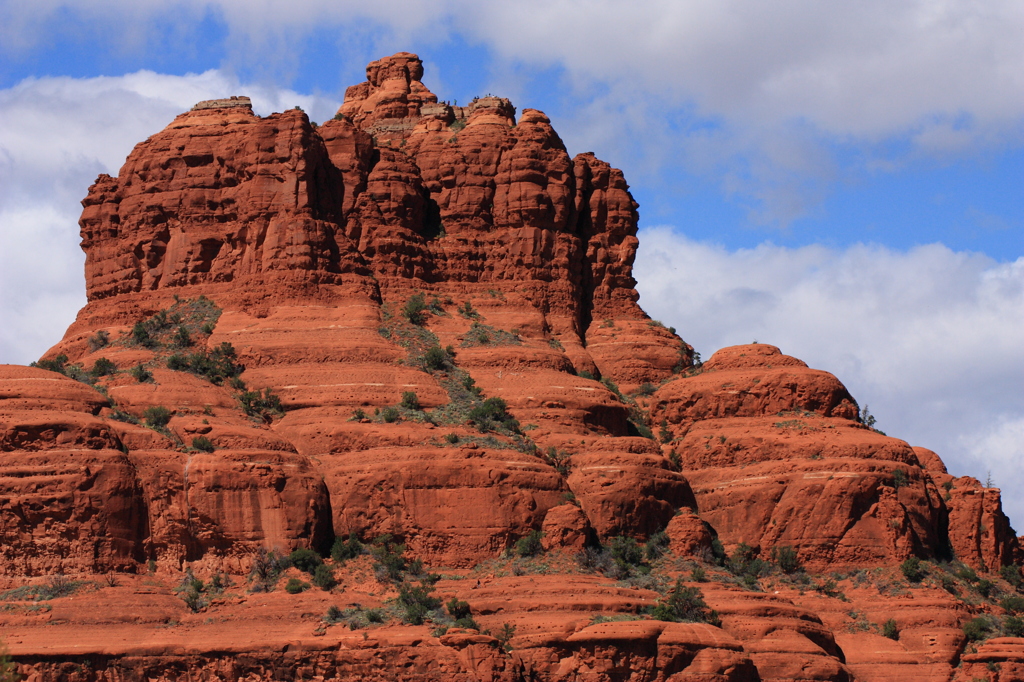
[846,182]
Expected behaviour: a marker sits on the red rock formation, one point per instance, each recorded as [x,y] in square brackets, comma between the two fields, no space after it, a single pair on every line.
[306,249]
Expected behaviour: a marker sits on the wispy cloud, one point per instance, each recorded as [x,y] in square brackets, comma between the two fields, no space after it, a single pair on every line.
[781,84]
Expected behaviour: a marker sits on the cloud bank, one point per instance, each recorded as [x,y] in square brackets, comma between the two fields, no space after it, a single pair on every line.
[775,101]
[930,339]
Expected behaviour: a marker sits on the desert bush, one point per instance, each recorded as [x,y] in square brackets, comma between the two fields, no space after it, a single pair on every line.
[182,339]
[786,558]
[141,374]
[493,414]
[389,558]
[890,629]
[646,388]
[436,359]
[899,479]
[266,569]
[977,629]
[415,309]
[416,602]
[912,569]
[1012,604]
[1014,626]
[103,367]
[264,406]
[1011,574]
[216,366]
[410,401]
[203,444]
[295,586]
[323,577]
[156,416]
[343,550]
[985,587]
[699,575]
[529,545]
[305,560]
[389,415]
[99,340]
[685,604]
[656,545]
[966,573]
[626,551]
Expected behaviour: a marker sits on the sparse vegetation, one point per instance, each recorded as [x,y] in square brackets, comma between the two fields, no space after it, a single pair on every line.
[913,570]
[203,444]
[415,310]
[410,401]
[215,366]
[685,604]
[103,367]
[787,559]
[890,629]
[98,340]
[141,374]
[156,416]
[343,550]
[530,544]
[266,569]
[295,586]
[264,406]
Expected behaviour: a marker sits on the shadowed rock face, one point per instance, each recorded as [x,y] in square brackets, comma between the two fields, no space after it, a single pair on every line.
[306,248]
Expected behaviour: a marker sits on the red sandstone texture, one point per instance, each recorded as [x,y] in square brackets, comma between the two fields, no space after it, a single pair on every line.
[309,242]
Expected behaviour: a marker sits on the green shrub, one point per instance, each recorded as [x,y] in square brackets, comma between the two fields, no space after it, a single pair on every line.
[266,568]
[215,366]
[976,629]
[415,309]
[410,401]
[685,604]
[375,615]
[967,574]
[389,415]
[625,550]
[1012,575]
[467,311]
[985,587]
[451,438]
[182,339]
[98,340]
[530,544]
[323,577]
[334,614]
[436,359]
[343,550]
[103,367]
[646,388]
[899,479]
[305,560]
[787,559]
[890,629]
[1013,604]
[390,562]
[656,545]
[203,443]
[913,570]
[458,609]
[156,416]
[295,586]
[491,414]
[698,575]
[141,335]
[416,603]
[263,405]
[141,374]
[1014,626]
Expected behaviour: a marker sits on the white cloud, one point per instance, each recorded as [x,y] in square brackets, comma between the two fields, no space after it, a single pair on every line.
[57,135]
[782,83]
[929,338]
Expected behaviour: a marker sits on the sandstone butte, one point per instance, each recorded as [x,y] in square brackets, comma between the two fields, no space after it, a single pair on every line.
[459,254]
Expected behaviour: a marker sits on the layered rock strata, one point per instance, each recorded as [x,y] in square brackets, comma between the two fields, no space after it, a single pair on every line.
[298,332]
